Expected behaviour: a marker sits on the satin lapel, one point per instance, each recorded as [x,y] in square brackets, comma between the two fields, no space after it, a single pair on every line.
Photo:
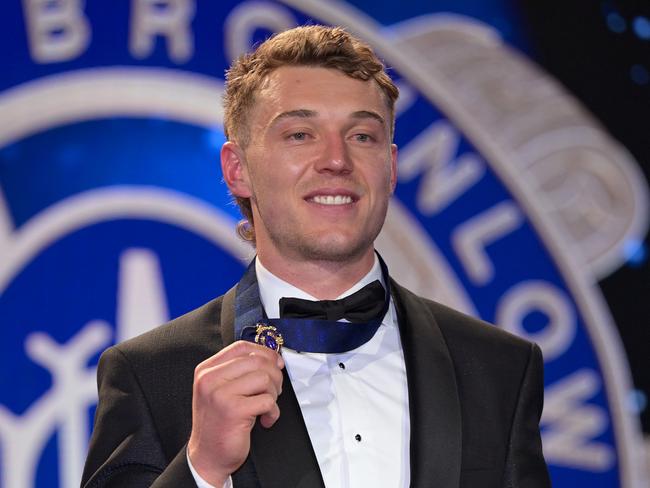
[283,455]
[434,406]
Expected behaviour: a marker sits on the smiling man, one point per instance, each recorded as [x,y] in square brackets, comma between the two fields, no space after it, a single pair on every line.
[317,369]
[319,175]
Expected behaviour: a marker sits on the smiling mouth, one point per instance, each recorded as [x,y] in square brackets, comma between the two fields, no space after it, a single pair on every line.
[332,199]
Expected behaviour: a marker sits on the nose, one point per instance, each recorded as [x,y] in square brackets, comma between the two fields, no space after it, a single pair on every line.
[335,157]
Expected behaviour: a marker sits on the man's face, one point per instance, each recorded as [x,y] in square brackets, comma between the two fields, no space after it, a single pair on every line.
[320,166]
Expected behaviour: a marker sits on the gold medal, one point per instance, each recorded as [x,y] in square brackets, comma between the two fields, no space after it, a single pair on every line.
[268,336]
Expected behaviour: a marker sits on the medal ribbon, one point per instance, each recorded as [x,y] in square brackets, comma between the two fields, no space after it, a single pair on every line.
[302,334]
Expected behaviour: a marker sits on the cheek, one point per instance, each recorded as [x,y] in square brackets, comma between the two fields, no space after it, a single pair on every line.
[382,181]
[271,187]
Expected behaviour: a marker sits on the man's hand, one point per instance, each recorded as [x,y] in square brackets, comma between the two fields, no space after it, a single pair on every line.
[231,389]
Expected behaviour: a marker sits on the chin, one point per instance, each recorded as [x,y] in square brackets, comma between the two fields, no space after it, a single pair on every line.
[335,248]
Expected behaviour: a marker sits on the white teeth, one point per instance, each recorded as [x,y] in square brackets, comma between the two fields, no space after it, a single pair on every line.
[332,200]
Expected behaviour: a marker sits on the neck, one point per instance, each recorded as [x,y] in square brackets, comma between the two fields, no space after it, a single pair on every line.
[322,279]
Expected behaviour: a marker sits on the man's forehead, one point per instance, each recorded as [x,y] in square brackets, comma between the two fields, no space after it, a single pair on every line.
[293,86]
[306,75]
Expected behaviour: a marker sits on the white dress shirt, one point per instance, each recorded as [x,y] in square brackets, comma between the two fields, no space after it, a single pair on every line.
[355,404]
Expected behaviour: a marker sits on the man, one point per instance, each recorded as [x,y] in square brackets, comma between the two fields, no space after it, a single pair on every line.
[410,394]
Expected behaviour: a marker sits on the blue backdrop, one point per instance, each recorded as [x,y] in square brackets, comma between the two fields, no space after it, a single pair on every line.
[511,203]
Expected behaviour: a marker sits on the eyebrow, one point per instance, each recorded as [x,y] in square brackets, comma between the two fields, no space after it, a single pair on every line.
[366,114]
[304,113]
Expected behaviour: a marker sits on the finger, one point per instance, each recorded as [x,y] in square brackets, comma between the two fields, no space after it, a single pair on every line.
[240,348]
[214,377]
[242,365]
[271,417]
[276,367]
[263,405]
[245,347]
[251,384]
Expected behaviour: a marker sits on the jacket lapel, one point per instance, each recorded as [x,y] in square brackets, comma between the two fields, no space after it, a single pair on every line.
[282,455]
[228,317]
[434,407]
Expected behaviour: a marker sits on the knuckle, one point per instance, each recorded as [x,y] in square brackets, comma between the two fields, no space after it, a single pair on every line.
[198,369]
[277,375]
[203,389]
[240,346]
[276,379]
[267,401]
[265,379]
[255,360]
[265,375]
[201,384]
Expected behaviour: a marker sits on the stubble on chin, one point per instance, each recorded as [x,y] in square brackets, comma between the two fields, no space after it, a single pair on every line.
[334,251]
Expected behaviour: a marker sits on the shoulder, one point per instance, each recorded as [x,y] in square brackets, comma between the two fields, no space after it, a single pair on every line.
[187,339]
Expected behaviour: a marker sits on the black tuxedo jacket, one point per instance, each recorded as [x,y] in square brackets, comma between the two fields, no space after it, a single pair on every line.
[475,398]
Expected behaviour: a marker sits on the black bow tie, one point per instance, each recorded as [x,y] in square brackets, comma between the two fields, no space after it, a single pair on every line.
[362,306]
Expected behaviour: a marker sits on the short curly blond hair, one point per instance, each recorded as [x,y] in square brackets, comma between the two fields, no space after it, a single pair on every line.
[313,45]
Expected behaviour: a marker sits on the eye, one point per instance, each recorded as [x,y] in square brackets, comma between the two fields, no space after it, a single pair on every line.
[298,136]
[362,137]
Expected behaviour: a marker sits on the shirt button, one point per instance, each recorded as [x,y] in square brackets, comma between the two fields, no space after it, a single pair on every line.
[358,438]
[341,365]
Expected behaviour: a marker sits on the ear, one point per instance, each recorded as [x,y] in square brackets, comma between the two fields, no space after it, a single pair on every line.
[234,170]
[393,167]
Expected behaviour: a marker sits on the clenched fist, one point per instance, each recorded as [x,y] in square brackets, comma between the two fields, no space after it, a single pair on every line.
[231,389]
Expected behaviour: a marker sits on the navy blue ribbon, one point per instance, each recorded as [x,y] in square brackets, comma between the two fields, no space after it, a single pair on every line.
[305,335]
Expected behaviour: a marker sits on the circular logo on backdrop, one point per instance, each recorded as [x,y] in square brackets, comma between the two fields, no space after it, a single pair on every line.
[511,202]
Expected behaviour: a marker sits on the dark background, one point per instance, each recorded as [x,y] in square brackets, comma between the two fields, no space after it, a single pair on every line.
[601,52]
